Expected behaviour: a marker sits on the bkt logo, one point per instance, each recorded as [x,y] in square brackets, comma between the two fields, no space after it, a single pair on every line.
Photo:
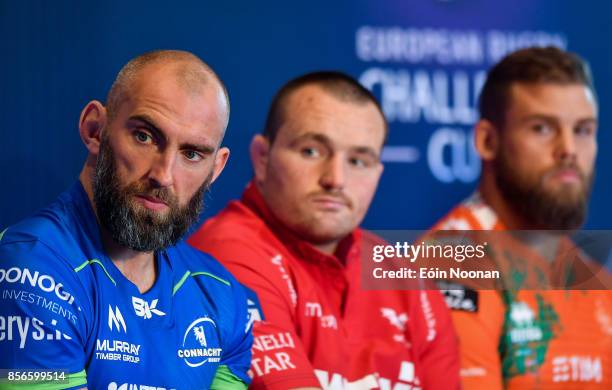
[144,310]
[115,319]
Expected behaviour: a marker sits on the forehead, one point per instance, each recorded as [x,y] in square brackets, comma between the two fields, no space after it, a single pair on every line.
[159,93]
[311,109]
[564,101]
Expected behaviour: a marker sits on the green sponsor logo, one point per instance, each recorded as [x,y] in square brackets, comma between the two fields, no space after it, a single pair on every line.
[527,335]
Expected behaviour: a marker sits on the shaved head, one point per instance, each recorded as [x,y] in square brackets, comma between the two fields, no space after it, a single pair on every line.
[337,84]
[155,148]
[191,73]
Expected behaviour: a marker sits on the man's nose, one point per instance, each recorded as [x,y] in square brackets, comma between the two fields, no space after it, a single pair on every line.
[566,145]
[334,174]
[161,170]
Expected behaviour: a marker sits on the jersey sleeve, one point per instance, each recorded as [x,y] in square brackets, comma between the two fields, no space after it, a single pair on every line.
[278,358]
[478,320]
[440,355]
[43,322]
[233,371]
[225,379]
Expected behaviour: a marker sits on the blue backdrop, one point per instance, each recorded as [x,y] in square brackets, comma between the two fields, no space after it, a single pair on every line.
[425,59]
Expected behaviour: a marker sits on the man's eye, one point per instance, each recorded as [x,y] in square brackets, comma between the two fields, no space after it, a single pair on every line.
[310,152]
[192,155]
[541,128]
[584,130]
[362,161]
[358,162]
[143,137]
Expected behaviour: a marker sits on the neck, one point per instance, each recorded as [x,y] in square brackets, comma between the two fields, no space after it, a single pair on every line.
[544,242]
[327,248]
[137,267]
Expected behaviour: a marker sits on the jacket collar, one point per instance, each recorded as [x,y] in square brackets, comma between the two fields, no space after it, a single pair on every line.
[348,248]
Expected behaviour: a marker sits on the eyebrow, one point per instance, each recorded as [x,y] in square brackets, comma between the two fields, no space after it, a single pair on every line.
[328,142]
[542,117]
[312,136]
[554,119]
[588,121]
[367,150]
[150,124]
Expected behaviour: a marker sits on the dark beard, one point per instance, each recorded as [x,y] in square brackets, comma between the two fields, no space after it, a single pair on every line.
[135,227]
[544,210]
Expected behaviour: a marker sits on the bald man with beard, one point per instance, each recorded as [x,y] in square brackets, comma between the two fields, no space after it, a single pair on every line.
[98,290]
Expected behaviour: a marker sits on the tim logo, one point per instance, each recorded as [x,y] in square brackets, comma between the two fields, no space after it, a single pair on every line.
[115,320]
[144,310]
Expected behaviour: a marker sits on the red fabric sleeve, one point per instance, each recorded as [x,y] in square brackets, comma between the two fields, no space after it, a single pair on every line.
[440,356]
[279,360]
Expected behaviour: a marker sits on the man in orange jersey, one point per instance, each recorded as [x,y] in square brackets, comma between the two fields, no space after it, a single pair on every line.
[537,141]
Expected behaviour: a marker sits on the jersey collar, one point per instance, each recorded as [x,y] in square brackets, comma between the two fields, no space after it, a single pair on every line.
[86,222]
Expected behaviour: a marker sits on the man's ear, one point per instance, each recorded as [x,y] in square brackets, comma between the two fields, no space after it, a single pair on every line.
[260,152]
[486,140]
[220,160]
[92,121]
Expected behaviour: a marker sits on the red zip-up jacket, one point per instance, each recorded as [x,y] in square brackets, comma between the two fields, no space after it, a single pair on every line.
[317,326]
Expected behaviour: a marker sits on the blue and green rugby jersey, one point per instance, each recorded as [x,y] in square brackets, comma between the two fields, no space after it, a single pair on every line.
[65,306]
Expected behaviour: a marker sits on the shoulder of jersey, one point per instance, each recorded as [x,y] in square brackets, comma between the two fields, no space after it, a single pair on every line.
[235,222]
[46,243]
[471,214]
[47,230]
[197,263]
[370,239]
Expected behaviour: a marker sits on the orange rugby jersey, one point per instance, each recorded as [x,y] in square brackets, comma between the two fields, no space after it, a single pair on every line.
[526,339]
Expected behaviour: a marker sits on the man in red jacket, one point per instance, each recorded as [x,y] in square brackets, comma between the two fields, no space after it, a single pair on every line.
[294,240]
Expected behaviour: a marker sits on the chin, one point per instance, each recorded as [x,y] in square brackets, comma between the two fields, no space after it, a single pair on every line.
[316,233]
[329,235]
[568,197]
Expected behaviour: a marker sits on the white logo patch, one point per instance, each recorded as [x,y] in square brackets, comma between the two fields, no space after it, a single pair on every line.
[132,386]
[524,325]
[397,320]
[115,319]
[144,310]
[13,328]
[196,349]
